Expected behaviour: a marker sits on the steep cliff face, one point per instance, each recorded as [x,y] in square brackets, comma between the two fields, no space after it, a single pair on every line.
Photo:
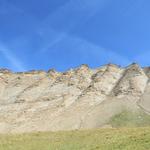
[79,98]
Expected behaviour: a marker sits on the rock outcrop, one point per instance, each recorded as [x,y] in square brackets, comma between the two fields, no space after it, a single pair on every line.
[77,99]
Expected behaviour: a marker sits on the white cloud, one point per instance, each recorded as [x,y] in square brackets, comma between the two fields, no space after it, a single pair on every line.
[85,49]
[12,60]
[70,15]
[73,14]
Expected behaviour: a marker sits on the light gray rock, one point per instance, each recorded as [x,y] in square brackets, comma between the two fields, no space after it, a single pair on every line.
[80,98]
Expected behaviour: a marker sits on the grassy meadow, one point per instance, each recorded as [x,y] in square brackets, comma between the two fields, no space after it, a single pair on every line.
[98,139]
[130,119]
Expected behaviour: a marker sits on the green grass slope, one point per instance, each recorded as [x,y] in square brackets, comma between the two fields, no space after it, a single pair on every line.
[130,119]
[100,139]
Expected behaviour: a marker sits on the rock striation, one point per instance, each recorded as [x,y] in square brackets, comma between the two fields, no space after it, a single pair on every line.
[80,98]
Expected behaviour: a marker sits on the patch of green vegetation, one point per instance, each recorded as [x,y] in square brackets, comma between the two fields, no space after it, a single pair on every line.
[130,119]
[102,139]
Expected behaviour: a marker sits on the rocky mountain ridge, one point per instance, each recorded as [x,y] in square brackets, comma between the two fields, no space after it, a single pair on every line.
[80,98]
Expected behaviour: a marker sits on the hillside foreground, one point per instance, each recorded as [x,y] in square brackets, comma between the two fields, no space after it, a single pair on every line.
[96,139]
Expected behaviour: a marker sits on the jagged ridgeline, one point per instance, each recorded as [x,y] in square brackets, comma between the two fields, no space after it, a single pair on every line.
[81,98]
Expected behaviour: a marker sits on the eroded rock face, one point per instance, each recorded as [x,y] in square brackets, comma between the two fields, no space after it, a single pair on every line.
[133,82]
[79,98]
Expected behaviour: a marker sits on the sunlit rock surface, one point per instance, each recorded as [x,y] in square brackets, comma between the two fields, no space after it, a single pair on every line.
[80,98]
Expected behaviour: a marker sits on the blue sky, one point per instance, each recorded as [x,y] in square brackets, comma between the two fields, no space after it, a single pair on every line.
[62,34]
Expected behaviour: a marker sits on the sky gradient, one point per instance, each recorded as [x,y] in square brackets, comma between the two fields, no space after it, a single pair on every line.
[63,34]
